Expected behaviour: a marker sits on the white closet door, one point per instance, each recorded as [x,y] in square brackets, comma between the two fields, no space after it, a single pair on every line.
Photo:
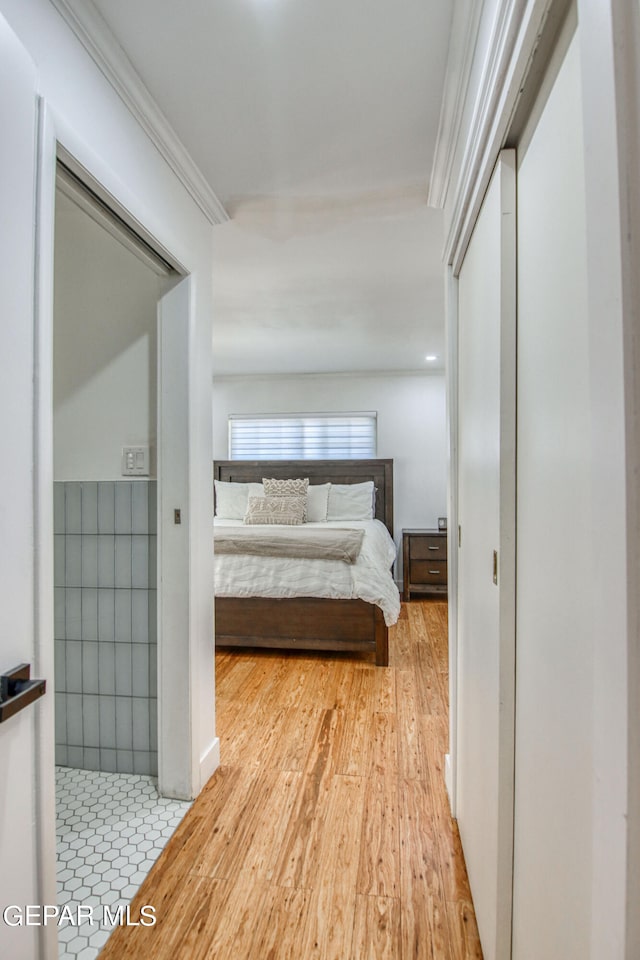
[486,571]
[556,570]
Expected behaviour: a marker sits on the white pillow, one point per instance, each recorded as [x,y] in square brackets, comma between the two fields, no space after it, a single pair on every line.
[351,501]
[317,502]
[232,498]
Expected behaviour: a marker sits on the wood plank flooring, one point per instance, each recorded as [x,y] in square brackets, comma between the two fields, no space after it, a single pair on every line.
[325,834]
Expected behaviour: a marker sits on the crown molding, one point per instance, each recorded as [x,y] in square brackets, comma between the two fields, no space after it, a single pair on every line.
[82,17]
[329,374]
[462,47]
[515,33]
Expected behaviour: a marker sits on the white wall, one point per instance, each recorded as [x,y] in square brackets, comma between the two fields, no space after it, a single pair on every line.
[104,348]
[411,427]
[95,127]
[19,878]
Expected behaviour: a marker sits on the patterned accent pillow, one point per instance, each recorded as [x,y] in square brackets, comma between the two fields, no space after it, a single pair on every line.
[285,488]
[286,510]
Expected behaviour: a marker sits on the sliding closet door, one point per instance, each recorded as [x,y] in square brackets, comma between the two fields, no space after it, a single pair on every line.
[486,571]
[556,571]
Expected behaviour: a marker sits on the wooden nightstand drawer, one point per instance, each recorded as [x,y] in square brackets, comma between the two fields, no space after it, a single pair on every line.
[424,554]
[428,548]
[428,571]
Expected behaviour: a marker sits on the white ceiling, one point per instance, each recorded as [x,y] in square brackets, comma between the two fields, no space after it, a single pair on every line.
[315,123]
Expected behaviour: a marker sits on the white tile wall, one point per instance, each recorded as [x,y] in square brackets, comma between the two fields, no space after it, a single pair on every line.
[106,615]
[105,619]
[72,508]
[123,616]
[89,559]
[106,669]
[89,666]
[122,507]
[123,561]
[124,679]
[140,600]
[140,508]
[89,508]
[106,508]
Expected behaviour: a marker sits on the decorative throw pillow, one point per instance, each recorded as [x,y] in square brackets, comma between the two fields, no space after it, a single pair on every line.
[286,510]
[285,488]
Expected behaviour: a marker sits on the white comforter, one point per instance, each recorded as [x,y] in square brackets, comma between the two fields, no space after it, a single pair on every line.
[369,578]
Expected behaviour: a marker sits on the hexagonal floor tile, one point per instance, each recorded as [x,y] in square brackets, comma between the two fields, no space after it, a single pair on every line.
[110,828]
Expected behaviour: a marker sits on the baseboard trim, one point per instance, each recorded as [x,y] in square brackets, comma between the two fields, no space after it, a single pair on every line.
[209,761]
[448,782]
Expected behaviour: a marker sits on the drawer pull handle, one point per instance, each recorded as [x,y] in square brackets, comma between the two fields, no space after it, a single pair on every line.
[434,571]
[434,548]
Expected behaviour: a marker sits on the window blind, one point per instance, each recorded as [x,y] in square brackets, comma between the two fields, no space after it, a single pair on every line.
[344,436]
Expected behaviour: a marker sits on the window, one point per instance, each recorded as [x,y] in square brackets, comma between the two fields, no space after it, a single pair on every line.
[343,436]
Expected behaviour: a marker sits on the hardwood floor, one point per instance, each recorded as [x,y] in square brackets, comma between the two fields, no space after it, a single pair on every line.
[326,831]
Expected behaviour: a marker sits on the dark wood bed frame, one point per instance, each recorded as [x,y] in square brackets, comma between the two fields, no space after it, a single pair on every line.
[307,623]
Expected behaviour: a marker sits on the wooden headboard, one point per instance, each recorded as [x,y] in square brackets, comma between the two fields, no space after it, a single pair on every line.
[318,471]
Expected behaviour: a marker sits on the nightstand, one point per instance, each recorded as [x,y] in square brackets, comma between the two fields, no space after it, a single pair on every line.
[424,555]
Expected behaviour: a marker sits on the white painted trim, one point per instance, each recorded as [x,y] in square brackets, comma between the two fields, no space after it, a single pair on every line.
[451,331]
[179,768]
[462,48]
[178,774]
[94,34]
[448,782]
[306,377]
[44,647]
[626,56]
[507,549]
[209,761]
[514,38]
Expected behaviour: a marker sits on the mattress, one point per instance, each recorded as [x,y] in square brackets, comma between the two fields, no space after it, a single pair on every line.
[369,578]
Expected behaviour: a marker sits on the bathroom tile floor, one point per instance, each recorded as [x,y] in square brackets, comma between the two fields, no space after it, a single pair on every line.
[110,829]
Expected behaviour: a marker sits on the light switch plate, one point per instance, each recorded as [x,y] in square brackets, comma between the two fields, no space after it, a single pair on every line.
[135,461]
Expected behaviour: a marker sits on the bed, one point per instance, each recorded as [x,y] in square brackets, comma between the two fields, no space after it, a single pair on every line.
[311,622]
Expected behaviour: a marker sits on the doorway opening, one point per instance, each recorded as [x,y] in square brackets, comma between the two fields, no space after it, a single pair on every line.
[112,822]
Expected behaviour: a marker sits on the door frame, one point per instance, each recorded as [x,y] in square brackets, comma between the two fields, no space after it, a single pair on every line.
[55,139]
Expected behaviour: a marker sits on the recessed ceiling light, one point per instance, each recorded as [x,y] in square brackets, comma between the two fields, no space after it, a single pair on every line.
[431,357]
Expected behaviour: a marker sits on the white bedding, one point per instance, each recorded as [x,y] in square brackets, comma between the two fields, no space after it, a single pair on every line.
[369,578]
